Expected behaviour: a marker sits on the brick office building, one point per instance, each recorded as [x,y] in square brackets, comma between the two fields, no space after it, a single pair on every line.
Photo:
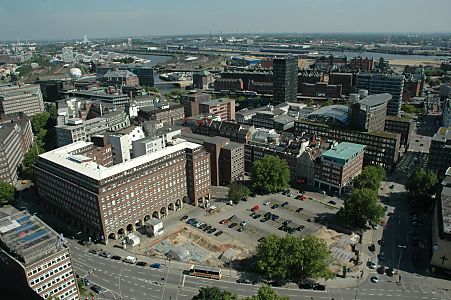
[109,201]
[343,79]
[166,114]
[224,108]
[191,101]
[339,165]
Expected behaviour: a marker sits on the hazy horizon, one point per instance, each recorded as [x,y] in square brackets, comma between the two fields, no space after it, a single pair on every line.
[58,20]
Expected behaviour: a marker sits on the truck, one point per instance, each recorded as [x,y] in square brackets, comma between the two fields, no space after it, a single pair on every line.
[130,259]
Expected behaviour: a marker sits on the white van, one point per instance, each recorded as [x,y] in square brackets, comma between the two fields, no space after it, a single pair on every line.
[130,259]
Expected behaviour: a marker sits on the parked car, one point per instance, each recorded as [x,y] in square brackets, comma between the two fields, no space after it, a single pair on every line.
[261,239]
[381,270]
[274,217]
[96,289]
[285,204]
[105,254]
[232,225]
[256,216]
[264,219]
[275,206]
[375,279]
[289,194]
[255,208]
[218,233]
[141,263]
[94,251]
[240,229]
[212,230]
[184,218]
[382,256]
[244,223]
[267,203]
[300,227]
[155,266]
[332,202]
[286,222]
[268,215]
[245,281]
[86,281]
[225,221]
[390,271]
[116,257]
[372,247]
[381,242]
[299,209]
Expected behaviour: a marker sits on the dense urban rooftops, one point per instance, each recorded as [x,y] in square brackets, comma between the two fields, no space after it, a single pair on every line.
[343,152]
[25,236]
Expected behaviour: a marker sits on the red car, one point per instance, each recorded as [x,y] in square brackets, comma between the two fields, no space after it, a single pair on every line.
[225,221]
[255,208]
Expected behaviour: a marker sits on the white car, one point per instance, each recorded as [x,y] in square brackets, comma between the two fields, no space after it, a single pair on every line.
[375,279]
[267,203]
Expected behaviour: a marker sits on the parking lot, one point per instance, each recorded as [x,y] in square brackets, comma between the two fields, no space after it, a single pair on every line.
[262,215]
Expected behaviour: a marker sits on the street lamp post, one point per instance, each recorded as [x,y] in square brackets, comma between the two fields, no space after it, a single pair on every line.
[357,287]
[402,247]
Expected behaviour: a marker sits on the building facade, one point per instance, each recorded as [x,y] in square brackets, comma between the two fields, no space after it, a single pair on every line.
[343,79]
[224,108]
[34,254]
[166,114]
[107,202]
[338,166]
[404,126]
[24,98]
[228,84]
[120,78]
[382,148]
[440,151]
[382,83]
[16,138]
[285,79]
[191,101]
[202,80]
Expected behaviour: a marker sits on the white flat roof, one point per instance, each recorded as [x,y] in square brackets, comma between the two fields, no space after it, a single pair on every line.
[62,157]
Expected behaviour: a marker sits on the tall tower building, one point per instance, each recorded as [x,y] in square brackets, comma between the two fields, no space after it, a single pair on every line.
[285,72]
[383,83]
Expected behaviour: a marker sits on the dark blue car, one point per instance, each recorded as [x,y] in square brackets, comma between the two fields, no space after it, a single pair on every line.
[155,265]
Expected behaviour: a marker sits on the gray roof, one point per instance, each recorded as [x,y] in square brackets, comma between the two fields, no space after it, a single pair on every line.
[337,112]
[119,73]
[233,146]
[284,119]
[376,99]
[217,101]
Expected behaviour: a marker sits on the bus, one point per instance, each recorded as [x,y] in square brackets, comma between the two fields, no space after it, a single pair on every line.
[204,271]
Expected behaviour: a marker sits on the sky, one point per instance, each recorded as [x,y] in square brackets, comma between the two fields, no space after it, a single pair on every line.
[69,19]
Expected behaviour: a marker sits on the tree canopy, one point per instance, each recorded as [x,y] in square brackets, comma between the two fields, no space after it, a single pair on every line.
[7,192]
[38,121]
[266,293]
[421,185]
[328,102]
[370,178]
[237,191]
[270,174]
[360,206]
[214,293]
[294,258]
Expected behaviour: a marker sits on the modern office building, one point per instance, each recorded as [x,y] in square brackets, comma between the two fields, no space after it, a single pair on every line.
[402,125]
[383,83]
[446,115]
[118,100]
[21,98]
[440,151]
[224,108]
[321,89]
[35,256]
[16,138]
[369,113]
[121,142]
[285,79]
[382,148]
[191,101]
[109,201]
[338,166]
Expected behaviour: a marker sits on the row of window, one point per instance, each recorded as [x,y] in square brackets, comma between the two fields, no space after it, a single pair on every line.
[48,264]
[50,273]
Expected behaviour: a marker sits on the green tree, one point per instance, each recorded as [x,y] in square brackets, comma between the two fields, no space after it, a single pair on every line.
[237,191]
[270,174]
[370,178]
[266,293]
[408,108]
[310,102]
[421,185]
[29,159]
[152,89]
[7,192]
[214,293]
[361,205]
[38,121]
[293,257]
[328,102]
